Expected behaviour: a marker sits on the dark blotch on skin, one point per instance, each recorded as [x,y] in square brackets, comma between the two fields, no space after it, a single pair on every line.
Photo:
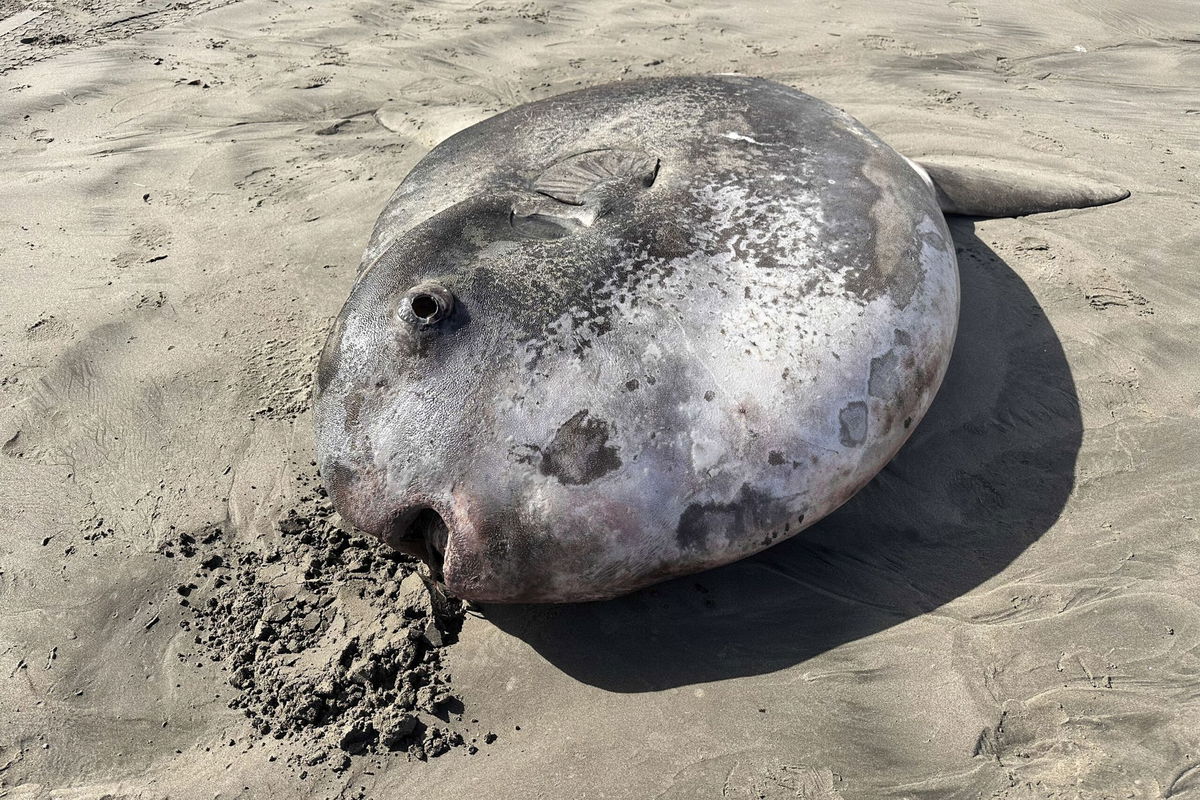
[667,240]
[853,421]
[579,452]
[338,478]
[884,380]
[775,458]
[752,511]
[907,279]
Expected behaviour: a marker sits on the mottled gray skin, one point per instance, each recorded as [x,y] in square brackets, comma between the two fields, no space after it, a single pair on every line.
[699,369]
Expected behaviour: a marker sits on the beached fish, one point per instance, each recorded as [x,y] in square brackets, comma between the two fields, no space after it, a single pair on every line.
[641,330]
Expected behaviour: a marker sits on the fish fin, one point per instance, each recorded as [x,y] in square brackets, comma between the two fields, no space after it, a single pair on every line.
[1011,190]
[579,189]
[577,179]
[540,217]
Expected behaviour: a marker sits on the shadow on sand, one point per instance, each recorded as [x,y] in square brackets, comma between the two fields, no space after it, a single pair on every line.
[985,474]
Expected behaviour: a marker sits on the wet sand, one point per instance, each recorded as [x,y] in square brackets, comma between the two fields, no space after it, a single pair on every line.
[1008,610]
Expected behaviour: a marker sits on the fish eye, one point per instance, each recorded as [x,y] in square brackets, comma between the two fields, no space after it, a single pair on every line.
[426,304]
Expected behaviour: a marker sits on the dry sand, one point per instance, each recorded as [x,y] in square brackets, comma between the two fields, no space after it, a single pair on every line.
[1009,610]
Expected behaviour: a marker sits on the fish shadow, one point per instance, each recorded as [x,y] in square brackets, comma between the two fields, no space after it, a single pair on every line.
[985,474]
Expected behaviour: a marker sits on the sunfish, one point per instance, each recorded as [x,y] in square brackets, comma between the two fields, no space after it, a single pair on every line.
[641,330]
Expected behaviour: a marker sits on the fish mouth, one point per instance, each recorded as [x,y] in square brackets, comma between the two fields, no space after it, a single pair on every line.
[423,533]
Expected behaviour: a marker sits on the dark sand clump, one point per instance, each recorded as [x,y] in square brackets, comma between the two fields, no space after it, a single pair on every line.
[332,639]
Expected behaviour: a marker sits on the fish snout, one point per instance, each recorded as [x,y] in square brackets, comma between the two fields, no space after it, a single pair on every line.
[422,532]
[413,526]
[462,552]
[477,542]
[479,548]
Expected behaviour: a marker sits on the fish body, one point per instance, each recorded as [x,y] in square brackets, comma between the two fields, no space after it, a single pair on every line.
[633,332]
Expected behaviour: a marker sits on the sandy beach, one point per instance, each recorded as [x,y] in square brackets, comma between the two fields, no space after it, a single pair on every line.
[1007,611]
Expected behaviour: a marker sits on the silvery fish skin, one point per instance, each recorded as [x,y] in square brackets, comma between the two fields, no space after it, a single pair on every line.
[633,332]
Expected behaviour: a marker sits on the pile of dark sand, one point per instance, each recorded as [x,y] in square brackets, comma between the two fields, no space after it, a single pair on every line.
[333,640]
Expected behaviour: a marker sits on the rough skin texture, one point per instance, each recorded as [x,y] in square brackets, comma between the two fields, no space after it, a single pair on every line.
[650,380]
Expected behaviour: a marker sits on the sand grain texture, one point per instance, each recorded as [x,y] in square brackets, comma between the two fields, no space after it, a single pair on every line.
[1008,611]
